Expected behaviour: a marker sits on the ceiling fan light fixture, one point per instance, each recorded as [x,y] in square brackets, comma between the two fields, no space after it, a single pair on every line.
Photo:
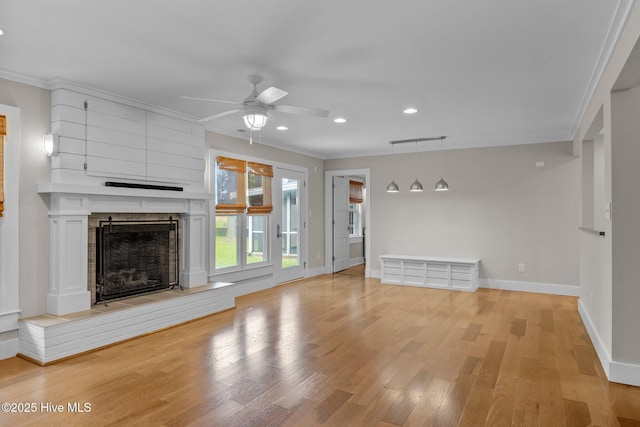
[254,118]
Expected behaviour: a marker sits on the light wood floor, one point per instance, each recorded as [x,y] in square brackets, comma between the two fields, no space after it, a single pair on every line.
[340,350]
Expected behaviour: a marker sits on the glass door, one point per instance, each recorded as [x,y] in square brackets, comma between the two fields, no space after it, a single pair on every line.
[289,226]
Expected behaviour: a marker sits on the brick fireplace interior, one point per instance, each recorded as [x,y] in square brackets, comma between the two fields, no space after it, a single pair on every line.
[160,264]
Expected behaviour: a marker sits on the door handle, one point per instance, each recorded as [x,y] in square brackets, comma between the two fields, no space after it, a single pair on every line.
[278,233]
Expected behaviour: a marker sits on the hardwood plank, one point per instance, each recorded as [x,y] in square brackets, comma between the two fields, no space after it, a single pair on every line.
[518,327]
[576,413]
[472,332]
[502,403]
[331,404]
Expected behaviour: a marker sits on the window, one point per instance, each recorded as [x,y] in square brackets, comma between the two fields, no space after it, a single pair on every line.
[243,206]
[356,198]
[354,219]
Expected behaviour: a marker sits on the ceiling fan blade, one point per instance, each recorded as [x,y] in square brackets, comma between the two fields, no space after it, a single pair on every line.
[304,111]
[219,115]
[271,95]
[211,100]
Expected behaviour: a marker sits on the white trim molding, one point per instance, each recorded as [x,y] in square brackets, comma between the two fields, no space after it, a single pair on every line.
[9,237]
[540,288]
[356,261]
[9,345]
[617,372]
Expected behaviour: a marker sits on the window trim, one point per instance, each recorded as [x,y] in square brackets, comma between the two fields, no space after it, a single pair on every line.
[243,212]
[251,272]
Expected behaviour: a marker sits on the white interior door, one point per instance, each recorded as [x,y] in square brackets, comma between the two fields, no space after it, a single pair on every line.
[289,224]
[340,223]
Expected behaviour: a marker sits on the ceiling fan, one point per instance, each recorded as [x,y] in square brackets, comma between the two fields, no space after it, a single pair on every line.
[256,106]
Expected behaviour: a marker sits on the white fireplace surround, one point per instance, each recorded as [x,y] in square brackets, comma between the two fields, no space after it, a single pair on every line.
[69,208]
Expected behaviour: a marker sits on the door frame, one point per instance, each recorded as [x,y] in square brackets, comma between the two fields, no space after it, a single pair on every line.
[303,215]
[328,216]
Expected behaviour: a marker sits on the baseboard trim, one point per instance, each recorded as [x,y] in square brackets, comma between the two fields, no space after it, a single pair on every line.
[540,288]
[617,372]
[598,344]
[9,344]
[356,261]
[312,272]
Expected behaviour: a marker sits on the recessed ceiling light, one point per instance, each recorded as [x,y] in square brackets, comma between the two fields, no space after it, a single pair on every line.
[282,128]
[2,32]
[340,120]
[410,110]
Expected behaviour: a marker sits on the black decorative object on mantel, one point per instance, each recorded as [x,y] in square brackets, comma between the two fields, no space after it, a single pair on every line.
[142,186]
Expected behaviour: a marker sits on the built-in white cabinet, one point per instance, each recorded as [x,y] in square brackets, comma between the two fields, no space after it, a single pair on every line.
[432,272]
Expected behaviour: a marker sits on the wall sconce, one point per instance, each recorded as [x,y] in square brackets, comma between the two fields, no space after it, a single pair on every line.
[50,144]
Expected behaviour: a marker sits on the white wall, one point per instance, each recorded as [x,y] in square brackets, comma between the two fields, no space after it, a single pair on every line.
[35,121]
[625,177]
[501,209]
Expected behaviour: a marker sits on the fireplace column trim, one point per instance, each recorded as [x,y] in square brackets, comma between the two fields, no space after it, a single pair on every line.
[193,271]
[68,242]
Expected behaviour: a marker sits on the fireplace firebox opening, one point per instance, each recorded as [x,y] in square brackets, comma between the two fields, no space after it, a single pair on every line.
[135,257]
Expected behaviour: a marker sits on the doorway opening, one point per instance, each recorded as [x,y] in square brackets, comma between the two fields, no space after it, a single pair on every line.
[347,237]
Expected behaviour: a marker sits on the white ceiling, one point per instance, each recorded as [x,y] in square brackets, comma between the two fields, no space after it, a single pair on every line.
[492,72]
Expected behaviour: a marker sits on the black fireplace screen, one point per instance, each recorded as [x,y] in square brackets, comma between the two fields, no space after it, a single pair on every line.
[135,257]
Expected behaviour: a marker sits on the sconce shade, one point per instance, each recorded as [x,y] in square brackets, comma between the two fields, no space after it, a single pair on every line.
[50,144]
[442,185]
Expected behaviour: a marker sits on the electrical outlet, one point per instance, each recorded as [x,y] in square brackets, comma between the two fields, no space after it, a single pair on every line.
[521,267]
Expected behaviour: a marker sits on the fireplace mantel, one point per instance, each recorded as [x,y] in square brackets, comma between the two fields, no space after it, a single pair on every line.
[69,208]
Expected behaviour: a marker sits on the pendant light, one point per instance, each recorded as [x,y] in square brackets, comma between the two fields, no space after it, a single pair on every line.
[442,184]
[416,186]
[392,187]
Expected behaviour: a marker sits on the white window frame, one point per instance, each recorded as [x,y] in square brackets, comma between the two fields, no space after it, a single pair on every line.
[355,211]
[243,221]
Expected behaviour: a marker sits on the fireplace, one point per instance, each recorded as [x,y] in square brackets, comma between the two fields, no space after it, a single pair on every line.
[134,257]
[75,212]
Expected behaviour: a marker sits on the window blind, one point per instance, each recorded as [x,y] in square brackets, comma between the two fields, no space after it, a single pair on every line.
[230,185]
[259,188]
[355,192]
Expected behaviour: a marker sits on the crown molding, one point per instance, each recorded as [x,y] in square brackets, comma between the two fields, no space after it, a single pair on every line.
[20,78]
[623,9]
